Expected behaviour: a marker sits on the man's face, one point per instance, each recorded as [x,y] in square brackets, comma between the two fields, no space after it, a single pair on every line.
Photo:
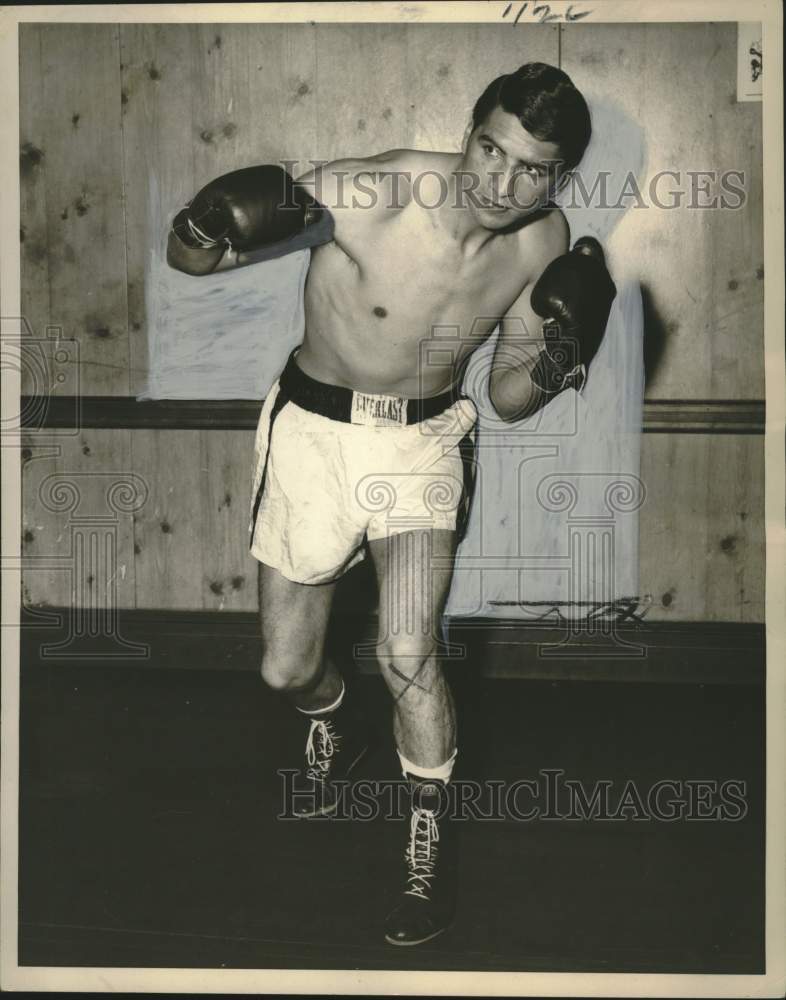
[513,174]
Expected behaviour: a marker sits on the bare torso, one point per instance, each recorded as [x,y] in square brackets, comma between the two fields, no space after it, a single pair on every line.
[397,300]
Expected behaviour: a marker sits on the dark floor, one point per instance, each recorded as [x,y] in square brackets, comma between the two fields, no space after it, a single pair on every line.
[149,832]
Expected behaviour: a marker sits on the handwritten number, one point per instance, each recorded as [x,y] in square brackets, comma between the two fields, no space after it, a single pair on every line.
[544,10]
[522,8]
[546,16]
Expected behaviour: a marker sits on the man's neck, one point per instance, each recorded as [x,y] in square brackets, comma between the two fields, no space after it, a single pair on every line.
[454,215]
[456,218]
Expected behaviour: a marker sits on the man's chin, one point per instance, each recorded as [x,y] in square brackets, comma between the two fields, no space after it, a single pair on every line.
[497,220]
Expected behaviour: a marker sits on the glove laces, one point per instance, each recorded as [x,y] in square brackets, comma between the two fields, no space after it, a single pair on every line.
[573,379]
[421,853]
[198,235]
[322,742]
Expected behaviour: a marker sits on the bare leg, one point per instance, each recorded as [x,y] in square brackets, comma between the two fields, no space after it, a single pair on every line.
[412,595]
[294,618]
[414,570]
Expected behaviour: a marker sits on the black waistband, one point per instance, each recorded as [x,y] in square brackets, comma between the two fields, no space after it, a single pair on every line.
[335,401]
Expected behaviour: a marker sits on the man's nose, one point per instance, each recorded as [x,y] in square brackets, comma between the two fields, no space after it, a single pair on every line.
[503,183]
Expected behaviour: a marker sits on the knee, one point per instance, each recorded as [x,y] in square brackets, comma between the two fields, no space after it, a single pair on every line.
[405,660]
[282,672]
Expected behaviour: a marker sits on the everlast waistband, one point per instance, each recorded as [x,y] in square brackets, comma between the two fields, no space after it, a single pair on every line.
[376,410]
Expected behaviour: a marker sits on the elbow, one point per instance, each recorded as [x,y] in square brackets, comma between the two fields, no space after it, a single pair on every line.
[509,415]
[175,257]
[178,265]
[173,262]
[188,262]
[500,407]
[508,407]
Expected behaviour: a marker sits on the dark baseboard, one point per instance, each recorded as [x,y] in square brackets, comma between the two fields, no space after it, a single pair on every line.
[661,416]
[664,652]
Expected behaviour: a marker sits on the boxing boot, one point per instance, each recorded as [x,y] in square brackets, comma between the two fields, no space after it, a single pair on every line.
[336,743]
[428,895]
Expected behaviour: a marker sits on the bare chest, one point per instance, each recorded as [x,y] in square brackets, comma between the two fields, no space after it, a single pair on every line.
[400,298]
[411,277]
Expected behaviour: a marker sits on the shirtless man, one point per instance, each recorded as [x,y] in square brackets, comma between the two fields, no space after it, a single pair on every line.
[404,246]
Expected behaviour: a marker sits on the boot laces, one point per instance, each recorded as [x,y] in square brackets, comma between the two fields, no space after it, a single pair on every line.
[323,741]
[421,854]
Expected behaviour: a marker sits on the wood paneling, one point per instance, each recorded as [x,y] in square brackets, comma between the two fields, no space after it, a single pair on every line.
[169,545]
[411,86]
[71,179]
[230,572]
[78,495]
[158,156]
[198,101]
[184,546]
[121,124]
[191,538]
[701,526]
[34,235]
[701,269]
[449,68]
[701,530]
[362,90]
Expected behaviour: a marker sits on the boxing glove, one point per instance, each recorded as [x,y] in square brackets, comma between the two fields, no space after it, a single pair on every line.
[251,209]
[574,296]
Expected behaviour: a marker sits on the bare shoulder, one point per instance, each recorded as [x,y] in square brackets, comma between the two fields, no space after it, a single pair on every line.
[343,183]
[413,160]
[546,237]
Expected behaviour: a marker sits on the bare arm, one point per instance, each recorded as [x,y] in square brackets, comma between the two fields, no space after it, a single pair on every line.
[355,189]
[346,191]
[244,217]
[203,260]
[512,392]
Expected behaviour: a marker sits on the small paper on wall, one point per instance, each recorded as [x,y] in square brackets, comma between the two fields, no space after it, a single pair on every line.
[749,61]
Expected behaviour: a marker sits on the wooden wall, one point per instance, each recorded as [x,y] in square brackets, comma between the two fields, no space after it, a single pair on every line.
[702,270]
[157,110]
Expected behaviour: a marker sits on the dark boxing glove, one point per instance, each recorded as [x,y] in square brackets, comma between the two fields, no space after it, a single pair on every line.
[251,210]
[574,296]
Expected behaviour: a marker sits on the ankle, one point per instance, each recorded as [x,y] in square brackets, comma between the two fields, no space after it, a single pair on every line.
[428,795]
[441,772]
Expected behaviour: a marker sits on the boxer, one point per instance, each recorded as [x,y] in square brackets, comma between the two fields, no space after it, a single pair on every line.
[364,444]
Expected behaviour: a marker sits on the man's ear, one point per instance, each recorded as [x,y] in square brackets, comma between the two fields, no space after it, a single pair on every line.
[467,133]
[565,177]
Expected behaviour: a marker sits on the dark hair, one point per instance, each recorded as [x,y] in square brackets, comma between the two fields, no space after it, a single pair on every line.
[546,103]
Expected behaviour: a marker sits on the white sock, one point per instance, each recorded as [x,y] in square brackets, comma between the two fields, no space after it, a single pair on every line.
[442,773]
[327,708]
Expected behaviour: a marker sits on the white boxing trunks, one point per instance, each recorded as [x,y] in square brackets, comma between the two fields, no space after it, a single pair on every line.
[335,467]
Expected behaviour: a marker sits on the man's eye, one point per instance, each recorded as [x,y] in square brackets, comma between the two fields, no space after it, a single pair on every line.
[531,174]
[489,150]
